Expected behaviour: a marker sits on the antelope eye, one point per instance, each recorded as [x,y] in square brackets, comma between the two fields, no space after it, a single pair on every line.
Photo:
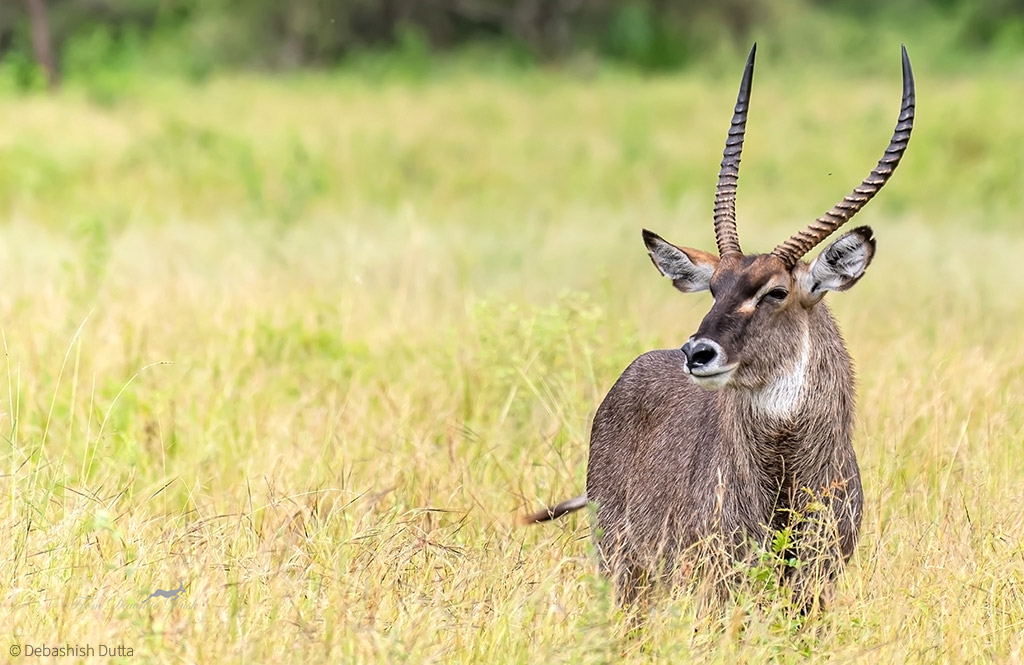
[776,294]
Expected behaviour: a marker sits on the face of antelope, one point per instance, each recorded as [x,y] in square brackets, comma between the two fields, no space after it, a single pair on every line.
[758,327]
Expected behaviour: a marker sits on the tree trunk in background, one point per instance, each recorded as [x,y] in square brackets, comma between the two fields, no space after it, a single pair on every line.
[42,42]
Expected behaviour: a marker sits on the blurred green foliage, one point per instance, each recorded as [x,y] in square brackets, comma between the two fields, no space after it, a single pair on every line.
[98,39]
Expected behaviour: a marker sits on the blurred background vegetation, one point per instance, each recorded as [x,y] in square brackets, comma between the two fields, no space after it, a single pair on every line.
[274,110]
[82,39]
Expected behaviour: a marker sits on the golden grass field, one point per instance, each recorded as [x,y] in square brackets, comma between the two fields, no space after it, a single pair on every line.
[309,345]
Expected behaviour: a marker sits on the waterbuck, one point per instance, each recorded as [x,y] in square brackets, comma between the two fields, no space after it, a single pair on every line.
[739,443]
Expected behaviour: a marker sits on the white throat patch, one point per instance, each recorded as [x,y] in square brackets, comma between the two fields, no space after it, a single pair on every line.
[781,397]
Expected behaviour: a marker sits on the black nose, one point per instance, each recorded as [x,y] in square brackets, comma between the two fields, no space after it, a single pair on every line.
[699,355]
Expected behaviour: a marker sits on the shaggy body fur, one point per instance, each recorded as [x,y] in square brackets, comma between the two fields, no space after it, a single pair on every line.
[677,469]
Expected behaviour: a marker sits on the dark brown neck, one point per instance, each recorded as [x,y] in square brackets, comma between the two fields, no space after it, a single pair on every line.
[786,431]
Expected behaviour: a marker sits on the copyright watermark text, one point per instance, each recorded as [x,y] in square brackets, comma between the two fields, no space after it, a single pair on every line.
[72,650]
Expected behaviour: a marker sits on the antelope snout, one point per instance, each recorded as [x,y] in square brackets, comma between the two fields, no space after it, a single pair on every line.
[704,357]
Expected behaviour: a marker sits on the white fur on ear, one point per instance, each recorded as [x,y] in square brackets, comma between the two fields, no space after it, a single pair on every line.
[689,269]
[842,263]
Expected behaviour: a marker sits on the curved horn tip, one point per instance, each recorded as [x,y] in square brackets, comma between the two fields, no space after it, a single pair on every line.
[743,98]
[748,69]
[908,72]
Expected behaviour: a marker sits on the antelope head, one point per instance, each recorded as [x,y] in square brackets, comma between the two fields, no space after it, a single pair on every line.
[764,303]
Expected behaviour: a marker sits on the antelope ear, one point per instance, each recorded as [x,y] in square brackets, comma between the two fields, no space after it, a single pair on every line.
[689,269]
[842,263]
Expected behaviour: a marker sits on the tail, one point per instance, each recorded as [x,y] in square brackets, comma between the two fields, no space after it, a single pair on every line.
[554,512]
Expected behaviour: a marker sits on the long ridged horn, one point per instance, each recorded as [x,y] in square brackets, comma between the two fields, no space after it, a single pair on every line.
[726,237]
[797,246]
